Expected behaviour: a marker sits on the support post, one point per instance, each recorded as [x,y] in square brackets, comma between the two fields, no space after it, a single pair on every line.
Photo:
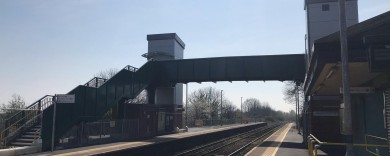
[298,119]
[211,113]
[296,109]
[186,104]
[54,123]
[221,107]
[242,113]
[347,126]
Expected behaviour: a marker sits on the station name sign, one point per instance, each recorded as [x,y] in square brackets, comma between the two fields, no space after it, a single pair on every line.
[360,90]
[65,98]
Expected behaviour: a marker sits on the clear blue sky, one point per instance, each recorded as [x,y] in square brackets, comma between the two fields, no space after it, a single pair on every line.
[51,46]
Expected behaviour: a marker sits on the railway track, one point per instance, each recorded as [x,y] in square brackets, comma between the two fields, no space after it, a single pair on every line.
[235,145]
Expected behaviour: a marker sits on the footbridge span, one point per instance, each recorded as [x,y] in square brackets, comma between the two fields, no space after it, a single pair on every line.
[97,96]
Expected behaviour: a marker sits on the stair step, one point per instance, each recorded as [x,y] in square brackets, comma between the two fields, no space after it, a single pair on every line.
[25,140]
[30,136]
[21,144]
[32,133]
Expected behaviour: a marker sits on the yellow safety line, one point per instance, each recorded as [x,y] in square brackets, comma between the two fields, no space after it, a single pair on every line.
[281,129]
[280,143]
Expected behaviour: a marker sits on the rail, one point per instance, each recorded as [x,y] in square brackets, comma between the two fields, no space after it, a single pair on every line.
[314,144]
[236,152]
[232,145]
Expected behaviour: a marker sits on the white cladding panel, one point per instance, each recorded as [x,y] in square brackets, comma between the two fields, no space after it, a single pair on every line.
[322,23]
[167,49]
[179,94]
[164,95]
[164,48]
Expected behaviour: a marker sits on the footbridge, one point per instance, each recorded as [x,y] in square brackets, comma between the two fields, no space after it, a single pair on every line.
[242,68]
[94,98]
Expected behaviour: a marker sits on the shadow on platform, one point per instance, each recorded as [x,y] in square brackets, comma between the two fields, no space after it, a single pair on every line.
[294,145]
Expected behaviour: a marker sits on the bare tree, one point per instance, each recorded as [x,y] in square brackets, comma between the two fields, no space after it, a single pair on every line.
[255,109]
[14,105]
[199,107]
[290,91]
[229,111]
[205,104]
[293,94]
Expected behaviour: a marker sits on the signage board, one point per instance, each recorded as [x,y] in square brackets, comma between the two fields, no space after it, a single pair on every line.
[359,90]
[65,98]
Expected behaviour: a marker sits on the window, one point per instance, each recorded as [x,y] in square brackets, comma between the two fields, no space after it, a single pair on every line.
[325,7]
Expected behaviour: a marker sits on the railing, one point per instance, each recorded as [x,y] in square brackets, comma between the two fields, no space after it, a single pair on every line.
[95,82]
[24,118]
[313,144]
[367,139]
[131,68]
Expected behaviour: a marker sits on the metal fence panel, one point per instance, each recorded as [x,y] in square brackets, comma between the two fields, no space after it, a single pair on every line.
[99,132]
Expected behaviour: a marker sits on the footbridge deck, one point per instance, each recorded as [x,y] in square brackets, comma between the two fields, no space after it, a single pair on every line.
[242,68]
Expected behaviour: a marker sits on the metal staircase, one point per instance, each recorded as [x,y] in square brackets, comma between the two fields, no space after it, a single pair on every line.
[24,120]
[28,138]
[24,127]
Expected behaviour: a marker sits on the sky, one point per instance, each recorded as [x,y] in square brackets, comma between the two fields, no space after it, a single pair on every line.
[49,47]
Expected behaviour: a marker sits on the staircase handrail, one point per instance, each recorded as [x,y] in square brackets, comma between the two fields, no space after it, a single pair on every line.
[94,82]
[28,118]
[30,106]
[131,68]
[20,118]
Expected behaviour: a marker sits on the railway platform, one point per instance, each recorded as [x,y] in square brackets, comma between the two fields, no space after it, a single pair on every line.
[168,141]
[284,142]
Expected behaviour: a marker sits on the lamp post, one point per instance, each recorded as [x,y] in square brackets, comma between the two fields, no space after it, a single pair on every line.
[186,104]
[242,114]
[211,113]
[221,107]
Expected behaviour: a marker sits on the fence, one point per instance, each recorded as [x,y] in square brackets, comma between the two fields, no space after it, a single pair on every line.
[100,132]
[373,145]
[216,122]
